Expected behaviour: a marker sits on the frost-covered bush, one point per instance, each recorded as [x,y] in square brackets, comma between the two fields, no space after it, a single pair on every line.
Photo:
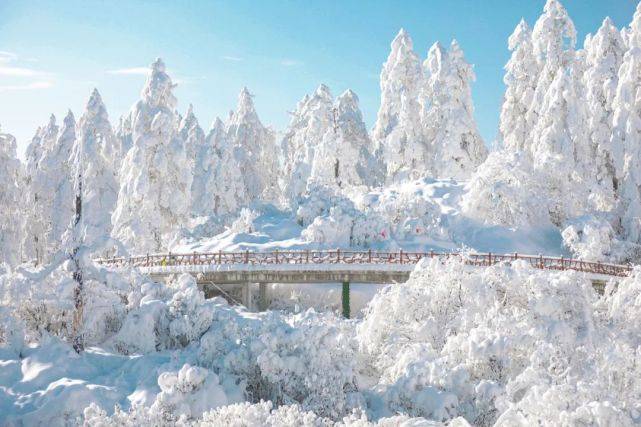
[262,414]
[305,358]
[505,190]
[477,343]
[318,200]
[188,392]
[591,238]
[310,361]
[184,397]
[162,317]
[334,229]
[245,221]
[12,339]
[411,208]
[43,300]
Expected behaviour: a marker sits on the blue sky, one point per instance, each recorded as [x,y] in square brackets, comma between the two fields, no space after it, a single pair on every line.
[55,52]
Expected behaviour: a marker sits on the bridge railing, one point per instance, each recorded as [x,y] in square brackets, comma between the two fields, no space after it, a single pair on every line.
[350,257]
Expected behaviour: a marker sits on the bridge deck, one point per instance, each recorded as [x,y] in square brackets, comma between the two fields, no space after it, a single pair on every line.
[332,266]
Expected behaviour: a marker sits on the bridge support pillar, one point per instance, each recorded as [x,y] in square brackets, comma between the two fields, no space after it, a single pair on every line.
[345,300]
[246,296]
[262,296]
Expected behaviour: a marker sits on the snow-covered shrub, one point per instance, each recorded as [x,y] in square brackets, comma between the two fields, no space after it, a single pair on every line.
[12,334]
[317,201]
[184,397]
[476,343]
[263,414]
[43,300]
[305,358]
[334,229]
[590,238]
[245,221]
[311,362]
[162,317]
[505,190]
[188,392]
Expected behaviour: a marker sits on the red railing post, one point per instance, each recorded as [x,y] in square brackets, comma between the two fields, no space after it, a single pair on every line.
[400,256]
[431,254]
[220,257]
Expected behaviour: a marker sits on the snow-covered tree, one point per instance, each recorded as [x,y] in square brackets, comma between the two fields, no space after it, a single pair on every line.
[520,81]
[124,135]
[312,119]
[344,156]
[33,242]
[627,133]
[11,212]
[448,114]
[397,133]
[92,157]
[155,178]
[51,186]
[603,55]
[553,41]
[254,150]
[191,133]
[558,138]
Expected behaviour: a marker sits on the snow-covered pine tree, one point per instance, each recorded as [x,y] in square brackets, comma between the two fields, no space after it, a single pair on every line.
[603,56]
[59,172]
[344,158]
[33,242]
[397,133]
[92,157]
[124,137]
[627,133]
[448,114]
[254,151]
[155,178]
[556,149]
[553,41]
[313,117]
[11,211]
[520,81]
[192,134]
[51,186]
[229,192]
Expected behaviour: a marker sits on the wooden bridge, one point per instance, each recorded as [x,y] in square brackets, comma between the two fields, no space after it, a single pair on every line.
[240,269]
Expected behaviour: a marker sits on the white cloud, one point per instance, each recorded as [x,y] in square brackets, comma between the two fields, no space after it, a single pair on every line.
[7,56]
[137,71]
[232,58]
[29,86]
[19,72]
[290,62]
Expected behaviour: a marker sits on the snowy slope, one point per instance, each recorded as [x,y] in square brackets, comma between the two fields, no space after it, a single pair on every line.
[420,215]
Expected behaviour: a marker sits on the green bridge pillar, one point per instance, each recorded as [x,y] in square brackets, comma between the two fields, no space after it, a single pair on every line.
[345,300]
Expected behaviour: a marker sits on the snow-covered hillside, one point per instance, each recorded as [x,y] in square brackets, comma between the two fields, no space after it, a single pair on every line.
[504,346]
